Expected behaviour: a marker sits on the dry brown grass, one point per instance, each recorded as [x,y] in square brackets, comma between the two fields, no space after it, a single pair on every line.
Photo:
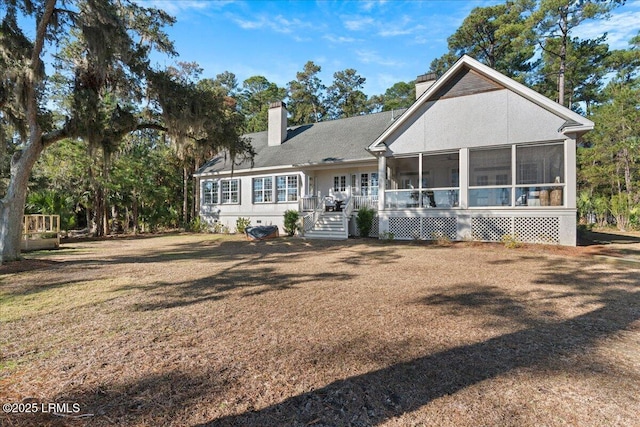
[208,330]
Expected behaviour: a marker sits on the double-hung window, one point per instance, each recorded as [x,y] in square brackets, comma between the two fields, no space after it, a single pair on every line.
[263,190]
[287,188]
[230,191]
[210,192]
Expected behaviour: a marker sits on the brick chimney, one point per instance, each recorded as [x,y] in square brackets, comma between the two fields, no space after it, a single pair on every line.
[424,82]
[277,131]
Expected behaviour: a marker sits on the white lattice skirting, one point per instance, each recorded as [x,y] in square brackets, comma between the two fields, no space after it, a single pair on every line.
[425,228]
[524,229]
[547,227]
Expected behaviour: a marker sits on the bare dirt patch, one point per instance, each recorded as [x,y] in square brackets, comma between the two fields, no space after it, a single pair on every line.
[209,330]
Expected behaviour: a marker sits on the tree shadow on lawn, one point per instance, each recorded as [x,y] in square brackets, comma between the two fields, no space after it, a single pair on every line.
[245,282]
[377,396]
[238,250]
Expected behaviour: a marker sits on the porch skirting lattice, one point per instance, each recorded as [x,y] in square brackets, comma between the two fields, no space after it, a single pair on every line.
[550,227]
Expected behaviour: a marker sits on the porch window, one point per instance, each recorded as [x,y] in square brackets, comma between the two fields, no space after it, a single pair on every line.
[340,183]
[230,192]
[287,188]
[540,175]
[210,192]
[263,190]
[490,177]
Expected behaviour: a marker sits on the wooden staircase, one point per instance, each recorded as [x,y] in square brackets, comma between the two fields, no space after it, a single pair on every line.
[329,226]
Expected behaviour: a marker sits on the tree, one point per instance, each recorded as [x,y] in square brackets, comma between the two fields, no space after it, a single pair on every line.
[497,36]
[257,93]
[400,95]
[306,96]
[345,97]
[554,21]
[108,75]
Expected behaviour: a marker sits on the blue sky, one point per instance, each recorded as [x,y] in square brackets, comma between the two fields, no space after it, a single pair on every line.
[385,41]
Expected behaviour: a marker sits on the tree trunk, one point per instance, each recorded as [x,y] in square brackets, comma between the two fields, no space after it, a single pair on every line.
[12,205]
[564,29]
[135,213]
[185,196]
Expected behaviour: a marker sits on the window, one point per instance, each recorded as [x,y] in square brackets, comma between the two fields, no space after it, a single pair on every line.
[287,188]
[340,183]
[210,192]
[374,184]
[230,191]
[263,190]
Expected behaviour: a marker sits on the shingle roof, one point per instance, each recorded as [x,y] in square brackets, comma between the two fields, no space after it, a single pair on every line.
[319,143]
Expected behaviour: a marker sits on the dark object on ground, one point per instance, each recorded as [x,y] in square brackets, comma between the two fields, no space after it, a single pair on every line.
[262,232]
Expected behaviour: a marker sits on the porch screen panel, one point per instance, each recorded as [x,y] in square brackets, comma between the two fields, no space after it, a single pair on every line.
[490,177]
[440,180]
[540,164]
[540,175]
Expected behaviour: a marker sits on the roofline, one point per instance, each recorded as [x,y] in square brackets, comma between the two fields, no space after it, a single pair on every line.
[284,168]
[584,124]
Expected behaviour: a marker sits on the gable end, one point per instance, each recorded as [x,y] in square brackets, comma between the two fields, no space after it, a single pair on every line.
[465,82]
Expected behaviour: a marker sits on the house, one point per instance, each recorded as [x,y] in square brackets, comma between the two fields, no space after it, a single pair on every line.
[477,156]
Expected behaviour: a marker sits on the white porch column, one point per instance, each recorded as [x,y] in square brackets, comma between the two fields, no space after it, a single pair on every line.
[382,180]
[304,180]
[570,172]
[464,178]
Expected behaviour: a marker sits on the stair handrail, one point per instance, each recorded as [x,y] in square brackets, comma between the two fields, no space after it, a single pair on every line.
[346,214]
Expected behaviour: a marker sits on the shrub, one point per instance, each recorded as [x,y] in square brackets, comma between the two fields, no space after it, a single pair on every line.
[387,236]
[441,239]
[218,227]
[364,221]
[198,225]
[291,221]
[511,241]
[242,224]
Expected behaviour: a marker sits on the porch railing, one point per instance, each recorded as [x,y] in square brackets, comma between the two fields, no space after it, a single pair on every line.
[365,201]
[308,203]
[310,219]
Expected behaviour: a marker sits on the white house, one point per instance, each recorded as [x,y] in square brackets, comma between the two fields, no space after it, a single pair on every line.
[477,156]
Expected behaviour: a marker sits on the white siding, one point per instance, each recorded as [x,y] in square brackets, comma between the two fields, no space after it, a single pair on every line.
[485,119]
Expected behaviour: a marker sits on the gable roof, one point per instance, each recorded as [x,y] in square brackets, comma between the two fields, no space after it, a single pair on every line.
[330,142]
[469,76]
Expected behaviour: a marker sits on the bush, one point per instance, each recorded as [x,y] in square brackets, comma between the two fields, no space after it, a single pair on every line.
[511,241]
[198,225]
[291,221]
[387,236]
[364,221]
[242,224]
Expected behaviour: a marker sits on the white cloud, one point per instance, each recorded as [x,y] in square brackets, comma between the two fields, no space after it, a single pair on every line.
[176,7]
[620,28]
[372,57]
[339,39]
[277,23]
[358,23]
